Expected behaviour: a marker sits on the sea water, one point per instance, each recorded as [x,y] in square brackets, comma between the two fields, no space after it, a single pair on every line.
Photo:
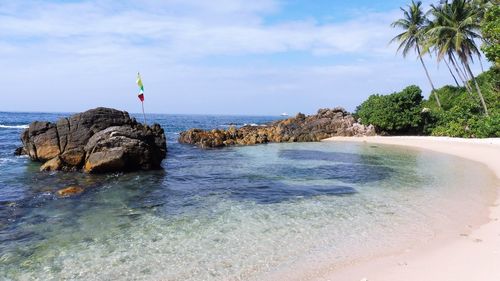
[238,213]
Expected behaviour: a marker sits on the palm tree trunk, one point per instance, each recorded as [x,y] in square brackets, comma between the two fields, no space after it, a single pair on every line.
[428,77]
[462,75]
[454,64]
[451,72]
[477,88]
[480,62]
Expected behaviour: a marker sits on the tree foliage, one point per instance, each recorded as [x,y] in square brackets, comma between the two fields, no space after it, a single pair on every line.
[490,29]
[454,30]
[412,23]
[397,113]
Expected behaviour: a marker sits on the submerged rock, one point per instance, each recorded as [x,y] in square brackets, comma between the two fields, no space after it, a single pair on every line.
[70,190]
[97,140]
[301,128]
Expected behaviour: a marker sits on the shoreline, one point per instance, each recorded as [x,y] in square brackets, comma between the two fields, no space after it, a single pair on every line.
[471,257]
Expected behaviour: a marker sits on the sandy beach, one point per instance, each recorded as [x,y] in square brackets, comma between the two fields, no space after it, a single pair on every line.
[467,257]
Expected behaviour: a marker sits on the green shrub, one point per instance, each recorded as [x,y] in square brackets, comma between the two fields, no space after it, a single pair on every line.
[486,126]
[489,82]
[449,96]
[462,115]
[452,129]
[475,127]
[397,113]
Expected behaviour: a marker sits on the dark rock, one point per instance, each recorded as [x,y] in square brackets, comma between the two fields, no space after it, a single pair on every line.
[97,140]
[326,123]
[19,151]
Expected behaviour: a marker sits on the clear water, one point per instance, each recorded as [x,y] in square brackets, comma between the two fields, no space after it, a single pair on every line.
[239,213]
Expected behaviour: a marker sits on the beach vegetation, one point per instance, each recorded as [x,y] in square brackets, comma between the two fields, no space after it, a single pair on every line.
[462,115]
[396,113]
[450,32]
[490,29]
[453,33]
[407,112]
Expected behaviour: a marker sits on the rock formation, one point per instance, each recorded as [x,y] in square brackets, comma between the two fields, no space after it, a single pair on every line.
[326,123]
[97,140]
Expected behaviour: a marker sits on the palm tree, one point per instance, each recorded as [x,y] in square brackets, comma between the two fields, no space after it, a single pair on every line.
[454,31]
[438,44]
[413,23]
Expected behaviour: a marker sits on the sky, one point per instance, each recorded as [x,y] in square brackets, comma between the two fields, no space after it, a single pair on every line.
[259,57]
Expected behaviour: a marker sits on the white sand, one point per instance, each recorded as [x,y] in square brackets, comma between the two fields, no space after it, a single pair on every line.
[462,258]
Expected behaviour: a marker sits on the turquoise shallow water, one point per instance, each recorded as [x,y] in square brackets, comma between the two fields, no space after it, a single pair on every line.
[239,213]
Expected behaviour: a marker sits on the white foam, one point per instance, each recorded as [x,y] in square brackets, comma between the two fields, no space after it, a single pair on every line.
[13,126]
[7,160]
[253,125]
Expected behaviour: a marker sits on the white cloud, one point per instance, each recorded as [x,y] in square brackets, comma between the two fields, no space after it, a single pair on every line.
[91,29]
[75,55]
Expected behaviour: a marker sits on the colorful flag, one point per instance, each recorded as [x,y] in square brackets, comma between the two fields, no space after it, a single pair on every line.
[141,94]
[141,87]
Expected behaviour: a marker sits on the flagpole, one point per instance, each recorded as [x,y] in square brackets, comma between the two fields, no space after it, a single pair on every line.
[143,114]
[141,95]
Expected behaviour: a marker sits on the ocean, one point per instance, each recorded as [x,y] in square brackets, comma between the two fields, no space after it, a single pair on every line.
[238,213]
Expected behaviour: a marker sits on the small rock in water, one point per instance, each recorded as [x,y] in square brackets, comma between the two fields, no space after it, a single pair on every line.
[19,151]
[12,204]
[70,190]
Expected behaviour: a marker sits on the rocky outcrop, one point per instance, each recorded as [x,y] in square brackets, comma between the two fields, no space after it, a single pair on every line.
[326,123]
[97,140]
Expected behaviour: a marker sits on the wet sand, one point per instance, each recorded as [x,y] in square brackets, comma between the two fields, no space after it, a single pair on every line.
[473,256]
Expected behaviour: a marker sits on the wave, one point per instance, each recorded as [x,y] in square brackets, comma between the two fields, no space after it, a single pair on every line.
[241,125]
[7,160]
[253,125]
[13,126]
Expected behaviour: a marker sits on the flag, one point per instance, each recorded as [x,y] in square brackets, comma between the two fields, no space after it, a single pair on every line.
[141,87]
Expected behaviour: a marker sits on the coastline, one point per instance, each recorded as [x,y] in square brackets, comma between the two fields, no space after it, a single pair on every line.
[471,257]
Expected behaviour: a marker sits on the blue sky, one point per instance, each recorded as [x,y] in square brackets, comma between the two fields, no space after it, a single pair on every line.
[206,57]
